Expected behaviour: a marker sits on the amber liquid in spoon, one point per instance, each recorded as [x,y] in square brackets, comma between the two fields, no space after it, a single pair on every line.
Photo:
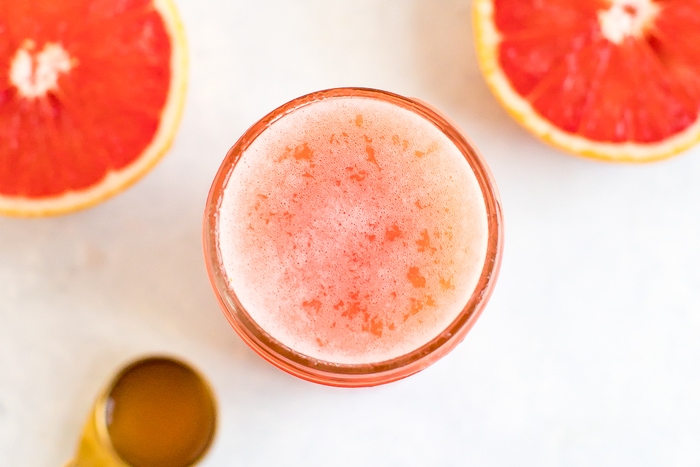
[160,414]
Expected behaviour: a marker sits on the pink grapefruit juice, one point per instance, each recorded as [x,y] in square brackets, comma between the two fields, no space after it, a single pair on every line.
[349,233]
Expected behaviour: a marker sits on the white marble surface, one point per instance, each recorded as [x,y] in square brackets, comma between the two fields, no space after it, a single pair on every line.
[588,354]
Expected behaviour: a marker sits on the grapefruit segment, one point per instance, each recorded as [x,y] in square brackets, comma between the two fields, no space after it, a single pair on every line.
[612,79]
[91,93]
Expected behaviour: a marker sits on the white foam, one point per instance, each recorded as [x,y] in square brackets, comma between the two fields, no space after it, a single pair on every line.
[356,248]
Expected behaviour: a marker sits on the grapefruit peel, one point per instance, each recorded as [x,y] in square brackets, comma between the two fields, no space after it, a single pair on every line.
[488,40]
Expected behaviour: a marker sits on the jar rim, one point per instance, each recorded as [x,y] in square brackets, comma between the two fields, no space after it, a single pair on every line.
[363,374]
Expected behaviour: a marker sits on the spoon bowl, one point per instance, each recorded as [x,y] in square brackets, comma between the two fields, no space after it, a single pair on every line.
[156,412]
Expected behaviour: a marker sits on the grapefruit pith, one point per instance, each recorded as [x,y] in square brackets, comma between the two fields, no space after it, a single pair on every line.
[91,93]
[617,80]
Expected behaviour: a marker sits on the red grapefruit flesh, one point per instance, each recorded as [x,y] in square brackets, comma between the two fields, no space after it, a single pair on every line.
[612,79]
[91,94]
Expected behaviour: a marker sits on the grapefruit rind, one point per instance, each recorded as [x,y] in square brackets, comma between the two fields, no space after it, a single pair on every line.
[488,40]
[116,181]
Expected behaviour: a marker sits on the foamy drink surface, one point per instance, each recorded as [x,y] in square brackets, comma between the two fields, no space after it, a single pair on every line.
[352,230]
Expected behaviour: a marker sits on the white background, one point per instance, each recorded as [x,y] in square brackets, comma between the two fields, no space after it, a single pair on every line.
[588,353]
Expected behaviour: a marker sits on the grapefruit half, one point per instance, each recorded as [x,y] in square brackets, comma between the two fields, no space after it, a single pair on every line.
[617,80]
[91,94]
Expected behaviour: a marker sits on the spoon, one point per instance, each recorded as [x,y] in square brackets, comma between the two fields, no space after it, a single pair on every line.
[156,412]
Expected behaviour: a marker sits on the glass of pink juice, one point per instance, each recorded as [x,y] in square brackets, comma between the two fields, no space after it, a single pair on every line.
[353,236]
